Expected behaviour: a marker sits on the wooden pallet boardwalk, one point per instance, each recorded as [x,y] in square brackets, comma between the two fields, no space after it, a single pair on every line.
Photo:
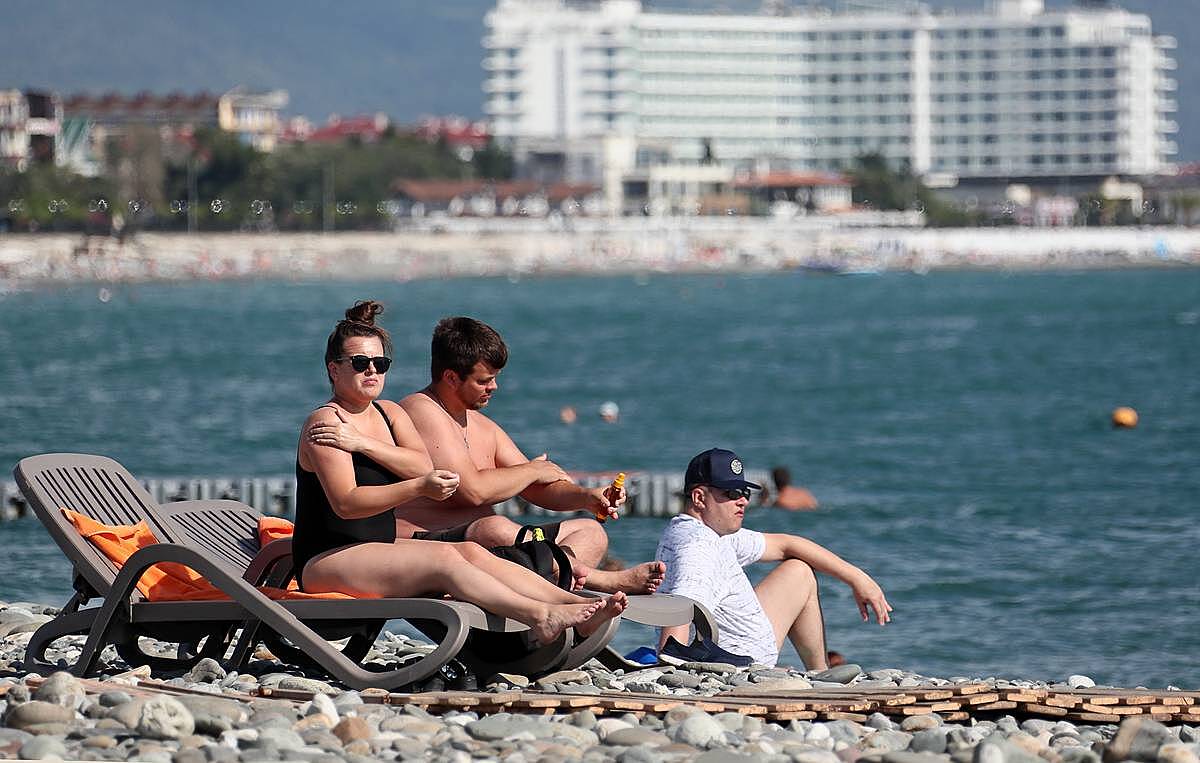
[955,702]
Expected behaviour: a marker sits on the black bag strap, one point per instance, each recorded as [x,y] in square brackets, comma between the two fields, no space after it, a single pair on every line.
[545,553]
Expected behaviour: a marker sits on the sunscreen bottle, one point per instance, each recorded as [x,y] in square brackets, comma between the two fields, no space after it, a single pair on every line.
[613,492]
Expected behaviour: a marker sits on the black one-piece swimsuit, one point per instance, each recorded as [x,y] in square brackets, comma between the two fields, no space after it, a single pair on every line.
[319,529]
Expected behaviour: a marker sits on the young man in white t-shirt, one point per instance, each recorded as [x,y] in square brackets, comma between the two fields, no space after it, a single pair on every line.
[705,549]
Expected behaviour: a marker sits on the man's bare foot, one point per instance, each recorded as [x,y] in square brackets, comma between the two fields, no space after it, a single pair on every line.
[641,578]
[613,606]
[579,576]
[559,617]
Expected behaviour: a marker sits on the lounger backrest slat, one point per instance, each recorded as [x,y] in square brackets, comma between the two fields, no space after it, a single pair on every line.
[96,487]
[224,530]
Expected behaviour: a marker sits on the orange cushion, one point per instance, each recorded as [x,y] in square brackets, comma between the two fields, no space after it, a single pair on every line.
[170,581]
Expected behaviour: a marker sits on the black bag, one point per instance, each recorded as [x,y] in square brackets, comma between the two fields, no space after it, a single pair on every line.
[539,553]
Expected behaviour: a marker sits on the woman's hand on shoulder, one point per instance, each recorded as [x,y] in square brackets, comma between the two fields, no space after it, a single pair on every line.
[439,484]
[337,433]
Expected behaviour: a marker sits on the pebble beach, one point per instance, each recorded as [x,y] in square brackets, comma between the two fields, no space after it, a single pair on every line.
[276,712]
[467,248]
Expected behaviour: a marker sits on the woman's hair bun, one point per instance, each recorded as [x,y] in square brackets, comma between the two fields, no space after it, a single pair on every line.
[364,311]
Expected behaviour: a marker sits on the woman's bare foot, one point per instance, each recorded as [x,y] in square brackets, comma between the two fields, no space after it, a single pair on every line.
[641,578]
[613,606]
[559,617]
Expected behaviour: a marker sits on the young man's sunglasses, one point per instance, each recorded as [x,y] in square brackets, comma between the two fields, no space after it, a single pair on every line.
[360,362]
[732,494]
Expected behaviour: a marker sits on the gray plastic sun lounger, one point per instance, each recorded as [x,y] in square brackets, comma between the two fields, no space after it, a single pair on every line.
[102,489]
[229,530]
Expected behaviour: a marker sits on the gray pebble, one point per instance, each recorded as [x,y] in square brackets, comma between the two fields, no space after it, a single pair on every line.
[61,688]
[902,756]
[36,712]
[347,700]
[206,670]
[640,754]
[842,674]
[921,722]
[880,721]
[565,677]
[929,740]
[43,747]
[680,679]
[114,698]
[505,725]
[698,730]
[159,717]
[886,741]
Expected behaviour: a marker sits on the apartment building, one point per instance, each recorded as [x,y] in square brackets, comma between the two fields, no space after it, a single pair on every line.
[30,123]
[596,90]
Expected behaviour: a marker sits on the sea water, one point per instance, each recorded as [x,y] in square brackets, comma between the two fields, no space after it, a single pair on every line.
[955,428]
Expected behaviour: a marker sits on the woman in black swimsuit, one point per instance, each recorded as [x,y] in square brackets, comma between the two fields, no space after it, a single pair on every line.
[358,457]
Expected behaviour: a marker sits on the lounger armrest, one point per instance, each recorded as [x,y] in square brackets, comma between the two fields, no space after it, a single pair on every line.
[220,575]
[272,564]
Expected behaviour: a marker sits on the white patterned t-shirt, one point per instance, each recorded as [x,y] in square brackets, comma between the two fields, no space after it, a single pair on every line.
[707,567]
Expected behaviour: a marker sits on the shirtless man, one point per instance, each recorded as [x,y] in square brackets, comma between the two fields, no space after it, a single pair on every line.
[789,496]
[467,356]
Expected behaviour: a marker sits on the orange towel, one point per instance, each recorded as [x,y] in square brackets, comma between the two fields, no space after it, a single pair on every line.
[170,581]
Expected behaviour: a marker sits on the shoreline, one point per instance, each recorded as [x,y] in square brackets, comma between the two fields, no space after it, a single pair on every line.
[661,713]
[633,247]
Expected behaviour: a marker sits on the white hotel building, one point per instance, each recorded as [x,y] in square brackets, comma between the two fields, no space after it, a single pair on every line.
[606,91]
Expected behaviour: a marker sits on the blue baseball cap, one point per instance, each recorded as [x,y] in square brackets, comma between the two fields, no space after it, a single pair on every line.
[719,468]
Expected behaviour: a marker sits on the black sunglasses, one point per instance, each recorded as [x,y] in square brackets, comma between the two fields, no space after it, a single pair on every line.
[732,494]
[360,362]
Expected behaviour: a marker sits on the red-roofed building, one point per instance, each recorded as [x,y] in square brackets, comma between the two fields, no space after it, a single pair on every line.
[365,127]
[463,136]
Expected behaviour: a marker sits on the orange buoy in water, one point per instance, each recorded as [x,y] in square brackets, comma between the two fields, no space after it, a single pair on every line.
[1124,418]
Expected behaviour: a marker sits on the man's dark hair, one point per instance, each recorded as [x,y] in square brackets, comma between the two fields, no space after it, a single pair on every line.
[781,477]
[460,342]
